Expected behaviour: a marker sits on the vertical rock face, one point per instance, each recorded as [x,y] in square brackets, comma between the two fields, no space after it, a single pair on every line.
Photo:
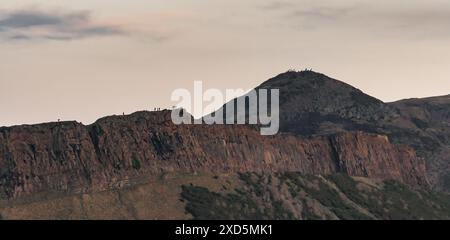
[361,154]
[48,156]
[432,117]
[71,157]
[312,103]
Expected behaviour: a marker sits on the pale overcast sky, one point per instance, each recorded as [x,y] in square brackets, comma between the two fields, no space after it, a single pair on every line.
[81,60]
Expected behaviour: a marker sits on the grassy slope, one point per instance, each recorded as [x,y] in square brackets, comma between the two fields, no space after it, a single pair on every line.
[240,196]
[292,196]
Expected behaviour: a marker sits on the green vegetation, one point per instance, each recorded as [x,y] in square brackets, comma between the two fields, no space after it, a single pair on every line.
[203,204]
[263,196]
[326,195]
[135,163]
[395,200]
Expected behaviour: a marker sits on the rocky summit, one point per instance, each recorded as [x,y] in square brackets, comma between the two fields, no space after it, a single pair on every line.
[341,154]
[71,157]
[313,104]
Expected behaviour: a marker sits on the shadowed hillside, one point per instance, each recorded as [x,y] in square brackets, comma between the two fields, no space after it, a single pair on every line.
[240,196]
[341,154]
[312,103]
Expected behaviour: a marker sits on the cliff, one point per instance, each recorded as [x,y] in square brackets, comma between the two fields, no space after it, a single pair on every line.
[312,103]
[111,153]
[432,118]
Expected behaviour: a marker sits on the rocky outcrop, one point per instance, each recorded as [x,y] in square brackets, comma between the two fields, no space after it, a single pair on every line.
[312,103]
[432,117]
[360,154]
[71,157]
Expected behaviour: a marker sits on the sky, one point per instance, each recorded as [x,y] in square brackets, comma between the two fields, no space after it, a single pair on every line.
[85,59]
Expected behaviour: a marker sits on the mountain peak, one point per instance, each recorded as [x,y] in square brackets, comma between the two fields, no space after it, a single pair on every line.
[300,77]
[307,86]
[311,102]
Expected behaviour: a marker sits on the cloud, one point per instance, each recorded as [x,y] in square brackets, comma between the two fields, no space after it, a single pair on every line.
[36,24]
[317,13]
[310,10]
[278,5]
[310,14]
[396,19]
